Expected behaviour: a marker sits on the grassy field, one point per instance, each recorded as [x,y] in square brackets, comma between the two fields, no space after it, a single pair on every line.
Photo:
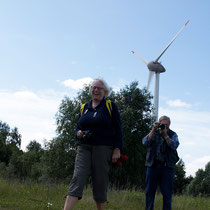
[16,196]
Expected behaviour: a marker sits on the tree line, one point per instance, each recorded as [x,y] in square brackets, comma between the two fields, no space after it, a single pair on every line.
[54,161]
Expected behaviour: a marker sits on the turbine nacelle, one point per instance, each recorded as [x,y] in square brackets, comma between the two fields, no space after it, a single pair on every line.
[156,67]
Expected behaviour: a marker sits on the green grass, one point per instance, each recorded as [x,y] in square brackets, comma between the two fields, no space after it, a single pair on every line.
[17,196]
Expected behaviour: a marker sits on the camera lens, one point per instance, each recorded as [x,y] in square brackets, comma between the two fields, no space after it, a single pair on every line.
[162,126]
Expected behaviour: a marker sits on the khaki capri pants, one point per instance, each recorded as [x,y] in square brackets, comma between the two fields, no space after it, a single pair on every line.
[94,161]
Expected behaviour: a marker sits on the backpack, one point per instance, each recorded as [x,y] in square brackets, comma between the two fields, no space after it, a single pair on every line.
[108,106]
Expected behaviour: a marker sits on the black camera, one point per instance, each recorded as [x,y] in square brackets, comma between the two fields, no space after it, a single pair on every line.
[162,126]
[87,134]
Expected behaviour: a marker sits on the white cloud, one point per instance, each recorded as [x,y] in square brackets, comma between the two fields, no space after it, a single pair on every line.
[189,143]
[26,95]
[77,84]
[120,84]
[187,156]
[178,103]
[32,113]
[198,163]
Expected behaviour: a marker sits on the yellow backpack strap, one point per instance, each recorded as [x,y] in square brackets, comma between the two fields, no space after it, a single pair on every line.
[109,107]
[82,109]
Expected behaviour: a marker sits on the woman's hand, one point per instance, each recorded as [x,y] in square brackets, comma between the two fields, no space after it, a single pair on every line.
[79,134]
[115,155]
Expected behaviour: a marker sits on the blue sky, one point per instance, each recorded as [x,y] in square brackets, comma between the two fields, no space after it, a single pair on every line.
[49,49]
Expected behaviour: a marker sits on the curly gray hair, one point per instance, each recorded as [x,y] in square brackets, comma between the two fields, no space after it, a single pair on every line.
[106,87]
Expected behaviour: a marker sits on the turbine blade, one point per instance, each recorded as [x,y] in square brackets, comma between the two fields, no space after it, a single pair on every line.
[146,62]
[172,40]
[151,74]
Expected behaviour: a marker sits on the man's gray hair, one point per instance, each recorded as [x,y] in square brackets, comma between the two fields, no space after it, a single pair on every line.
[165,118]
[106,87]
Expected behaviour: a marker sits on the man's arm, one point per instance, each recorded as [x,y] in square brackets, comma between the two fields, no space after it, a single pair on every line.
[147,139]
[173,142]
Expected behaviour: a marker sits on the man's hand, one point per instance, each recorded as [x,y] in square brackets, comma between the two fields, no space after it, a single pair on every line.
[155,127]
[167,139]
[163,132]
[165,135]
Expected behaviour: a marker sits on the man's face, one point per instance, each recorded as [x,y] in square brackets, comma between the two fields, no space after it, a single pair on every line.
[166,123]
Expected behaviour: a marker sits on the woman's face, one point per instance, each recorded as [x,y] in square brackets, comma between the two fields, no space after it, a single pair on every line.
[98,91]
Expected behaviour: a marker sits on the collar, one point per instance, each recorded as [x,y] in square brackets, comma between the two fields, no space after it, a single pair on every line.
[89,104]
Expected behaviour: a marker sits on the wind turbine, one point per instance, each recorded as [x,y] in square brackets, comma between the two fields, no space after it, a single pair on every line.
[156,68]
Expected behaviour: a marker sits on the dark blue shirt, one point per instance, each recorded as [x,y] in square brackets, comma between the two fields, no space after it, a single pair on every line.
[105,129]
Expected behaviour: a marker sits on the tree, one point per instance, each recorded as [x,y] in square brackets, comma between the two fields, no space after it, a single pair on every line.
[58,161]
[66,119]
[10,141]
[15,166]
[206,181]
[32,160]
[4,132]
[200,185]
[180,180]
[14,138]
[34,146]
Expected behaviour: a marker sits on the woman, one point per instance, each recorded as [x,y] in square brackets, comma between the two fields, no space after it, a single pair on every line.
[99,136]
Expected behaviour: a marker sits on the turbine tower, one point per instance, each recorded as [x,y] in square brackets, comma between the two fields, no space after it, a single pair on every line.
[156,68]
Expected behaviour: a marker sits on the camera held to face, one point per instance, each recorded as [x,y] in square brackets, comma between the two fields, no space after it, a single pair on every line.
[87,134]
[162,126]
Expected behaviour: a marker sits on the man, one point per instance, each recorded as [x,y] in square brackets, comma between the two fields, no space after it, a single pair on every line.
[161,159]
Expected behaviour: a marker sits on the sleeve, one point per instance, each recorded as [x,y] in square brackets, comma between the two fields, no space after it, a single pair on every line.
[145,140]
[76,130]
[118,127]
[78,127]
[174,142]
